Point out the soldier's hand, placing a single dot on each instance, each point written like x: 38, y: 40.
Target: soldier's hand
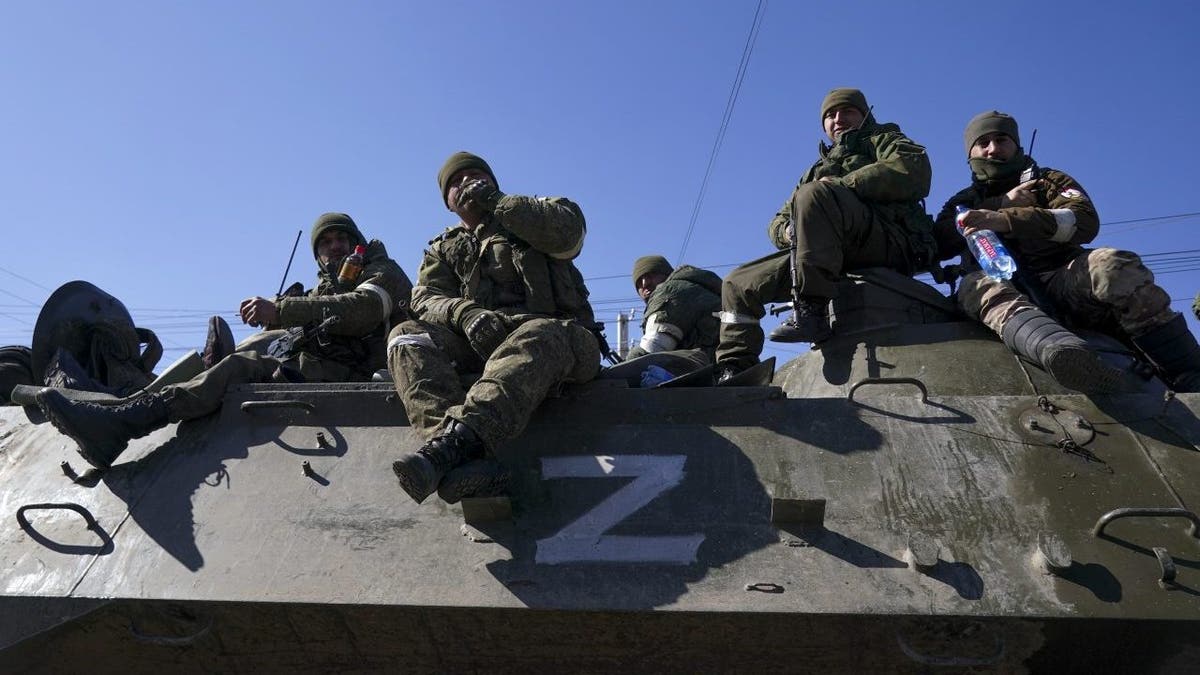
x: 485, y: 331
x: 789, y: 233
x: 982, y: 219
x: 258, y: 311
x: 478, y: 196
x: 1022, y: 195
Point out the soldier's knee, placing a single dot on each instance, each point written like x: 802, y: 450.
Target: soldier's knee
x: 1117, y: 275
x: 410, y: 334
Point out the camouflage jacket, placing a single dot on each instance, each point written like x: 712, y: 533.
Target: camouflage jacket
x: 1038, y: 241
x: 886, y: 170
x: 517, y: 263
x: 684, y: 305
x: 365, y: 309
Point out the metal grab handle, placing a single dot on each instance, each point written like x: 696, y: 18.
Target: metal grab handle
x: 23, y: 521
x: 889, y: 380
x: 251, y: 406
x: 1115, y: 514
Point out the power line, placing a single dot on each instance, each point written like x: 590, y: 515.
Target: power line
x: 734, y: 90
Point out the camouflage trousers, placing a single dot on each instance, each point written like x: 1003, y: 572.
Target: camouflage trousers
x: 425, y: 361
x: 203, y: 394
x: 835, y: 231
x: 1103, y: 289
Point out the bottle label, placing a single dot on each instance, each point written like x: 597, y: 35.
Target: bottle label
x: 985, y: 246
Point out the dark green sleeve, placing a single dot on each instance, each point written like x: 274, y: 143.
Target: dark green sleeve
x: 552, y: 225
x: 437, y: 297
x: 777, y: 228
x: 900, y: 172
x: 382, y: 289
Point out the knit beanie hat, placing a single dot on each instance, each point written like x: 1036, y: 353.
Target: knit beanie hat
x: 335, y: 221
x: 650, y: 263
x: 457, y: 162
x: 844, y: 96
x: 990, y: 122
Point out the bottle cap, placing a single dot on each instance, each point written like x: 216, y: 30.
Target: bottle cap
x: 360, y: 250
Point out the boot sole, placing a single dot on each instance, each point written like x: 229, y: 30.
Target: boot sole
x: 93, y: 452
x: 409, y: 483
x: 1084, y: 371
x: 468, y: 483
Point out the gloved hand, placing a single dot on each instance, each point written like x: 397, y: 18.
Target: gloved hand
x: 485, y: 330
x: 479, y: 196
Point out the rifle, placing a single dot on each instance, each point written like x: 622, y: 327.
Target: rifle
x: 296, y: 339
x: 606, y: 351
x: 780, y: 309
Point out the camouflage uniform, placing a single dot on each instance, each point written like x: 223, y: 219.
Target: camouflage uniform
x: 355, y: 350
x: 518, y: 265
x: 1104, y: 289
x: 869, y: 214
x: 685, y: 307
x: 364, y: 309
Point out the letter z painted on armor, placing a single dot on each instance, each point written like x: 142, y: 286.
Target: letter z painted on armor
x: 584, y: 540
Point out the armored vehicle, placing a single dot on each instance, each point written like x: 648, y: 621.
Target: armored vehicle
x: 909, y: 497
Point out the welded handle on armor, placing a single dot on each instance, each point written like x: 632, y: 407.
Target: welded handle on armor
x: 889, y: 380
x: 153, y: 351
x: 251, y: 406
x: 1115, y: 514
x: 23, y: 520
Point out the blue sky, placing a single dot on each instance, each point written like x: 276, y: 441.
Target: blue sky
x: 169, y: 151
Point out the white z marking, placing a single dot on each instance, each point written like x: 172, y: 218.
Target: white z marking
x: 584, y: 540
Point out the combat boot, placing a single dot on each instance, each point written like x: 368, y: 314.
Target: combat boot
x: 421, y: 471
x: 1040, y: 339
x: 809, y: 322
x: 103, y: 430
x: 219, y: 342
x: 1173, y: 348
x: 475, y: 478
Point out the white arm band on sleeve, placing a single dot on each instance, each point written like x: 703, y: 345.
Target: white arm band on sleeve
x: 1065, y: 219
x: 384, y: 297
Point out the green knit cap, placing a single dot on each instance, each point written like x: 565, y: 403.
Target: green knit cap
x: 650, y: 263
x: 990, y: 122
x: 457, y: 162
x: 844, y: 96
x: 335, y: 221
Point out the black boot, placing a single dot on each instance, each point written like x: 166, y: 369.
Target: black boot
x: 219, y: 343
x: 476, y: 478
x: 103, y: 430
x: 421, y: 471
x: 809, y: 322
x: 1173, y: 348
x: 1040, y: 339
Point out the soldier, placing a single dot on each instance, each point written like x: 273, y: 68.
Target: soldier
x: 357, y: 314
x: 1045, y: 221
x: 496, y: 294
x: 858, y: 206
x: 681, y: 307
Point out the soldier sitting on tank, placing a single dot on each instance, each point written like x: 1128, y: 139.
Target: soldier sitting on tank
x: 496, y: 294
x: 1044, y: 222
x: 353, y: 314
x: 858, y: 206
x: 681, y: 308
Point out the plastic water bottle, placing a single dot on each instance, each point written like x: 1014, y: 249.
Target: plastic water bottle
x: 987, y: 248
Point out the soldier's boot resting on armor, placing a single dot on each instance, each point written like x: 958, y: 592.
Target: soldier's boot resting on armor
x: 219, y: 343
x: 1173, y: 348
x: 476, y: 478
x: 1040, y: 339
x: 421, y: 471
x: 103, y: 430
x: 809, y: 322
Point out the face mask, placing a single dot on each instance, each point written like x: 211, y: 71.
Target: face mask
x: 994, y: 170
